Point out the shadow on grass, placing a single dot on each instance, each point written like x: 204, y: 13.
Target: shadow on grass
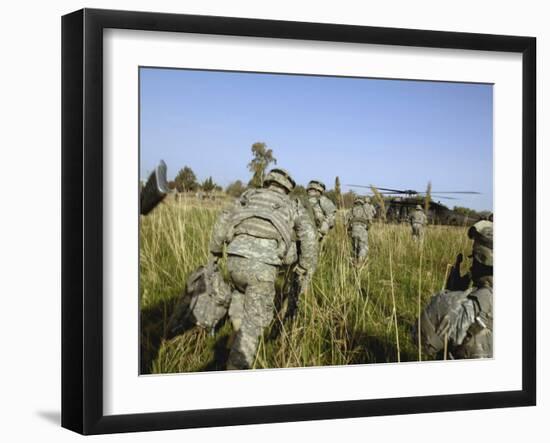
x: 154, y: 330
x: 366, y: 348
x: 153, y: 321
x: 221, y: 350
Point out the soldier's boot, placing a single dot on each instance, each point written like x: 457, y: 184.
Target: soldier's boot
x: 364, y: 250
x: 355, y: 248
x: 243, y: 350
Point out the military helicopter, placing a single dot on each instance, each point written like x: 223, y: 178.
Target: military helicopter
x: 399, y: 204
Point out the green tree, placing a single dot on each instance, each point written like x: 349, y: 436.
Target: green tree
x: 262, y: 157
x: 348, y: 198
x: 235, y: 189
x: 465, y: 211
x: 208, y: 185
x: 186, y: 180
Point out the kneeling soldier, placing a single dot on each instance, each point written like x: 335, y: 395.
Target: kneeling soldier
x: 462, y: 321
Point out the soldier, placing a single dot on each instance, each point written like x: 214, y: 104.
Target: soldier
x: 260, y: 235
x: 418, y: 220
x: 462, y: 320
x: 358, y: 223
x: 324, y: 211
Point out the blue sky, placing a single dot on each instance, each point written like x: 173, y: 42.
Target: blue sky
x: 391, y: 133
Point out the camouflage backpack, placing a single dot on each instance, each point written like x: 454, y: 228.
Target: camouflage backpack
x: 328, y: 207
x: 204, y: 302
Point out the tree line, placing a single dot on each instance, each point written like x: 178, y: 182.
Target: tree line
x: 262, y: 158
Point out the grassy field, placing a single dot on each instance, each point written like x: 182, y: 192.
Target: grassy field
x: 348, y: 315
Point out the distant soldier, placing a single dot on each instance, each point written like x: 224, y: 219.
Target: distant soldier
x: 154, y: 190
x: 324, y: 211
x: 418, y: 220
x: 260, y: 233
x: 358, y: 222
x: 462, y: 320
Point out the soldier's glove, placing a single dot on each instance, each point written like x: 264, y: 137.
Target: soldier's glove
x: 455, y: 281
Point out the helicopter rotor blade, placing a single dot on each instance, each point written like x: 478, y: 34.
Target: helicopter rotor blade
x: 446, y: 198
x: 423, y: 195
x: 396, y: 191
x: 358, y: 186
x: 456, y: 192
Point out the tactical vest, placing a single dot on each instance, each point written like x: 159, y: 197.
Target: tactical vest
x: 359, y: 214
x: 315, y: 211
x: 418, y: 217
x: 259, y: 206
x: 328, y: 207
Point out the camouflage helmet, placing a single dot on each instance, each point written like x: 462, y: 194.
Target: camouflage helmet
x: 316, y: 185
x: 358, y: 200
x: 419, y: 208
x: 281, y: 177
x: 482, y: 234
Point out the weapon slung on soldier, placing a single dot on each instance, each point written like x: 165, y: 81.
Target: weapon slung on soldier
x: 456, y: 281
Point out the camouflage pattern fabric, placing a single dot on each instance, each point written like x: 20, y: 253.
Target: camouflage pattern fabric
x: 359, y: 241
x: 482, y: 234
x: 358, y: 221
x: 203, y: 303
x: 269, y: 215
x: 262, y: 232
x: 273, y: 218
x: 251, y: 308
x: 324, y: 214
x: 418, y: 220
x: 464, y: 319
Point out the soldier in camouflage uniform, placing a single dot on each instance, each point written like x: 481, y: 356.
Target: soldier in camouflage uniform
x: 462, y: 320
x: 418, y: 220
x: 358, y: 223
x: 260, y: 234
x: 324, y: 211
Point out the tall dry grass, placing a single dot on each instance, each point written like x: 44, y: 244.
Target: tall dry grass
x: 348, y: 315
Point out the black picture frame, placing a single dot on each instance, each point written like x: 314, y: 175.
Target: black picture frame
x: 82, y: 220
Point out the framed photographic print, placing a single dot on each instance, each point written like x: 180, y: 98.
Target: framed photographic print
x: 269, y: 221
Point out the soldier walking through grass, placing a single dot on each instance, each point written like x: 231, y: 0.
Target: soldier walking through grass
x: 324, y: 210
x: 418, y: 221
x: 264, y: 231
x: 358, y: 222
x: 461, y: 321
